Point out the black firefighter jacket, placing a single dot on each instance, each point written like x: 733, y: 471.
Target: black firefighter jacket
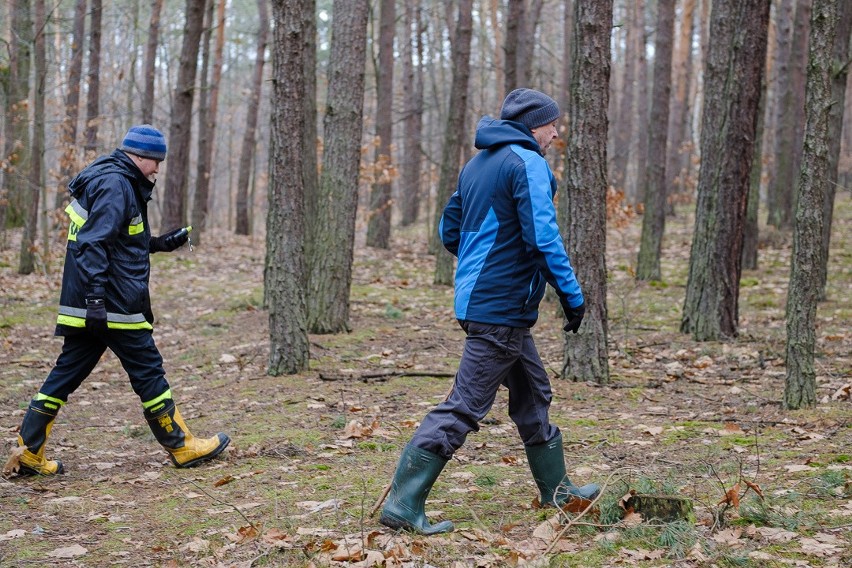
x: 108, y: 245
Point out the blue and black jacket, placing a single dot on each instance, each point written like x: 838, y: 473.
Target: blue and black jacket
x: 108, y: 245
x: 501, y: 224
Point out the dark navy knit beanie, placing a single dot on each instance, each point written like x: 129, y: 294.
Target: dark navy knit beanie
x: 529, y: 107
x: 146, y: 141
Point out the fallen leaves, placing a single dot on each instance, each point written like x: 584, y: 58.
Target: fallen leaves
x: 13, y: 464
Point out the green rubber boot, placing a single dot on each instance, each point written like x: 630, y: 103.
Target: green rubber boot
x: 405, y: 506
x: 185, y: 450
x: 547, y: 464
x: 35, y: 429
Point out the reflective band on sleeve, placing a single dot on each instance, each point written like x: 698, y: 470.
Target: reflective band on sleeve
x: 76, y: 317
x: 136, y: 225
x: 154, y: 401
x: 77, y: 213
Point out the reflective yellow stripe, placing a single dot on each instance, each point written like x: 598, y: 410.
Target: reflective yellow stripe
x: 41, y: 396
x: 136, y: 225
x: 154, y: 401
x: 72, y: 321
x: 77, y: 213
x: 139, y: 325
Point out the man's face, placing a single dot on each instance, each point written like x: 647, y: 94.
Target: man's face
x: 148, y: 166
x: 546, y: 134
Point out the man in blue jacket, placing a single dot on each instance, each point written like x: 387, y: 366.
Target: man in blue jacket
x: 105, y: 303
x: 501, y: 224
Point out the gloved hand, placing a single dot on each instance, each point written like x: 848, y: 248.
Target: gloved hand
x: 574, y: 316
x: 96, y: 314
x: 170, y: 241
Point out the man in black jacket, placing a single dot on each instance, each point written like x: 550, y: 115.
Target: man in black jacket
x: 105, y: 302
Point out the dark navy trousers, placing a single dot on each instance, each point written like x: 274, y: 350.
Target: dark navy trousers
x: 81, y: 351
x: 493, y: 355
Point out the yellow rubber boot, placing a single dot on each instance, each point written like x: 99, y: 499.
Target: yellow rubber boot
x: 35, y: 429
x: 185, y: 450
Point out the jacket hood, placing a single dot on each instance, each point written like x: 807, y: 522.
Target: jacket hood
x: 491, y: 132
x: 117, y: 163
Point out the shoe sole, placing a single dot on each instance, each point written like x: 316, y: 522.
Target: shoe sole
x: 197, y: 461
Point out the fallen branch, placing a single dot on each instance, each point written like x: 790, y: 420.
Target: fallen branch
x: 383, y: 375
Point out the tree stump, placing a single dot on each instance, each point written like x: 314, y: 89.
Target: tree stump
x: 666, y: 508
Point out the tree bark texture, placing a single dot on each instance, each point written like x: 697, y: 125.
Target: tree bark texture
x: 411, y: 185
x: 789, y: 122
x: 680, y: 107
x: 330, y: 256
x: 309, y: 136
x: 732, y: 78
x: 68, y: 134
x: 284, y: 272
x: 654, y: 217
x: 515, y: 15
x: 803, y: 292
x: 584, y: 191
x: 247, y: 151
x: 567, y: 30
x: 17, y: 147
x: 841, y: 57
x: 454, y: 133
x: 150, y: 70
x: 751, y: 230
x: 90, y: 135
x: 180, y: 131
x: 26, y: 263
x: 379, y: 224
x: 626, y: 117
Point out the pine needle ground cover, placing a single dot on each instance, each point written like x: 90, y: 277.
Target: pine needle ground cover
x: 312, y: 454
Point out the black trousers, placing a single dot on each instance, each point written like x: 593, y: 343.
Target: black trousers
x: 81, y: 352
x: 493, y: 355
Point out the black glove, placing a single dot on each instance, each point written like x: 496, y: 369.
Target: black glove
x: 96, y: 314
x: 573, y: 315
x: 170, y: 241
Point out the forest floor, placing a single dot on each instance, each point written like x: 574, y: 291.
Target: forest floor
x: 311, y: 454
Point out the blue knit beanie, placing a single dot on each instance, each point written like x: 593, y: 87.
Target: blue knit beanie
x: 146, y: 141
x: 529, y: 107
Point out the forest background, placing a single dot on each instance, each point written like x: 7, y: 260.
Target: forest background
x: 76, y: 75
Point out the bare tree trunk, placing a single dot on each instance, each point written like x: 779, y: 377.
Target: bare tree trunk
x: 17, y: 149
x: 411, y: 182
x: 90, y: 136
x: 241, y: 201
x: 180, y: 130
x: 207, y: 124
x: 680, y: 104
x: 841, y: 57
x: 732, y: 79
x: 379, y: 225
x: 583, y: 201
x: 654, y: 218
x: 526, y: 46
x: 454, y: 133
x: 330, y: 253
x: 638, y: 155
x: 150, y: 62
x: 627, y: 117
x: 499, y: 48
x: 515, y: 16
x: 284, y: 273
x: 803, y: 292
x: 28, y: 240
x: 309, y: 136
x: 788, y: 137
x: 567, y: 30
x: 750, y: 228
x: 68, y: 134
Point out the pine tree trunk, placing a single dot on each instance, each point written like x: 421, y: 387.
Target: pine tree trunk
x: 36, y: 182
x: 626, y: 116
x: 732, y: 79
x: 90, y: 135
x: 68, y: 133
x: 180, y: 131
x: 454, y: 133
x: 309, y: 136
x: 284, y: 272
x: 751, y: 231
x: 207, y: 134
x: 800, y: 383
x: 584, y: 191
x: 411, y: 181
x: 329, y: 257
x: 680, y: 103
x: 654, y: 217
x: 247, y: 151
x: 150, y: 62
x: 379, y: 225
x: 515, y: 15
x: 839, y: 76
